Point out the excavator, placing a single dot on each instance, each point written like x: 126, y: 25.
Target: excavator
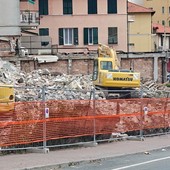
x: 109, y: 78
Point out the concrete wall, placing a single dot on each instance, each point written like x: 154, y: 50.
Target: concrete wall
x: 85, y: 66
x: 9, y: 18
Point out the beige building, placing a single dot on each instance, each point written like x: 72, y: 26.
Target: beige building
x: 78, y: 24
x: 140, y: 28
x: 162, y: 10
x: 161, y: 17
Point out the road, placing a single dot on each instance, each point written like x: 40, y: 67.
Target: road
x: 125, y: 154
x: 155, y: 160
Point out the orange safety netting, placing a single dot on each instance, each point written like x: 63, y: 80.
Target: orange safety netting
x: 73, y: 118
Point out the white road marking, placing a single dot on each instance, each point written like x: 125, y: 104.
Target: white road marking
x: 142, y: 163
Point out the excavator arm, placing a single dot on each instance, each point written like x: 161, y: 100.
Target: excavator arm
x: 105, y: 51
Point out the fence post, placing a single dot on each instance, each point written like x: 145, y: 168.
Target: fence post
x: 141, y: 130
x: 165, y: 111
x: 44, y: 122
x: 94, y: 120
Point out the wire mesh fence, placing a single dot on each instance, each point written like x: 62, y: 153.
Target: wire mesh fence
x: 50, y: 117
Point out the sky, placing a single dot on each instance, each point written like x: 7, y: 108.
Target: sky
x: 136, y: 1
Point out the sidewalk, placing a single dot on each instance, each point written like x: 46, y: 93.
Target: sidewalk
x: 65, y: 157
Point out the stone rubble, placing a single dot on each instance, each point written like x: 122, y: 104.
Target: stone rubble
x: 28, y: 86
x: 152, y: 89
x: 64, y: 87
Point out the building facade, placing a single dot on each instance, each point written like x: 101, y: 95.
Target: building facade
x: 77, y: 24
x: 140, y: 28
x: 161, y: 17
x: 162, y: 11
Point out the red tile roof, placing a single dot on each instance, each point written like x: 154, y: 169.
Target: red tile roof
x: 134, y: 8
x: 160, y: 28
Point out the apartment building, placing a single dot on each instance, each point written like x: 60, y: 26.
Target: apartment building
x: 161, y: 17
x: 140, y: 28
x: 77, y: 24
x: 162, y: 8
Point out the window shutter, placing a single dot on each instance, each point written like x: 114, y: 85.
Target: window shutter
x: 76, y: 36
x: 112, y: 6
x: 70, y: 10
x: 89, y: 7
x: 95, y: 35
x: 67, y: 6
x: 43, y: 7
x: 40, y: 7
x: 43, y: 31
x: 85, y: 36
x: 115, y: 7
x: 61, y: 42
x: 110, y: 35
x: 92, y: 6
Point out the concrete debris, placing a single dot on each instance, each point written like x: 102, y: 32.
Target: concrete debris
x: 152, y: 89
x: 57, y: 86
x: 29, y: 85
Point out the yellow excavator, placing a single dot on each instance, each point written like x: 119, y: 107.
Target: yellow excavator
x: 6, y: 98
x: 109, y: 78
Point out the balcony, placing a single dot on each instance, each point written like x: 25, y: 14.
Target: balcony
x: 29, y: 19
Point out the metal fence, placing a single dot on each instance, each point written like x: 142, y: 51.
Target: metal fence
x: 60, y: 117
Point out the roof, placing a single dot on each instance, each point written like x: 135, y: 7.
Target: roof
x: 134, y: 8
x: 160, y: 28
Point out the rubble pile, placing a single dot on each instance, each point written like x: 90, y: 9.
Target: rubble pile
x: 28, y: 86
x: 65, y: 87
x: 152, y: 89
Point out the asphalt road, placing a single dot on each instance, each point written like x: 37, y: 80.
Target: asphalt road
x: 154, y: 160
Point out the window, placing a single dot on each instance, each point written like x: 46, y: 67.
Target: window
x: 112, y: 35
x: 44, y: 32
x: 112, y: 6
x: 92, y: 6
x: 162, y: 39
x: 43, y: 7
x: 163, y: 22
x: 68, y: 36
x: 106, y: 65
x: 90, y: 36
x: 163, y: 10
x: 67, y: 6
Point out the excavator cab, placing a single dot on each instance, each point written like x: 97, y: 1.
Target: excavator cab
x: 106, y: 65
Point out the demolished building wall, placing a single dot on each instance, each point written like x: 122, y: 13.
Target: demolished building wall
x: 84, y: 65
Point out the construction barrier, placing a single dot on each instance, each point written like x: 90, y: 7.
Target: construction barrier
x: 32, y: 122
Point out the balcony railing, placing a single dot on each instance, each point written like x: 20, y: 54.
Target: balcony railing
x: 29, y: 18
